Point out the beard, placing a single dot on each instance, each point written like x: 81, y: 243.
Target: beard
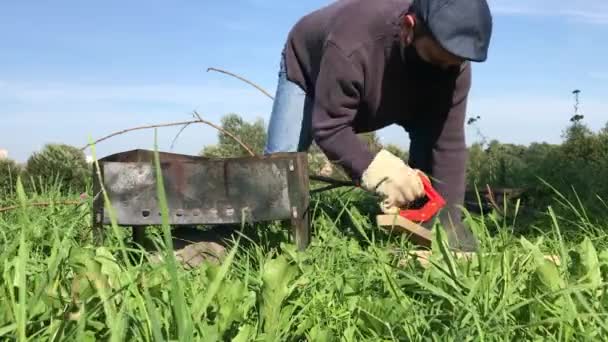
x: 418, y: 66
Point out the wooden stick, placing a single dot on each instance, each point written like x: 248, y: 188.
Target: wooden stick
x: 492, y: 200
x: 196, y: 116
x: 183, y: 123
x: 423, y: 237
x: 242, y: 79
x: 177, y: 135
x: 417, y: 233
x: 199, y: 121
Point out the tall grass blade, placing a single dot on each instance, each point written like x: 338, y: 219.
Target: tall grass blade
x: 200, y: 305
x: 154, y: 319
x: 22, y: 264
x: 109, y: 207
x: 184, y: 320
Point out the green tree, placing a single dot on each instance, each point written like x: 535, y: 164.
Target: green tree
x: 9, y: 171
x: 475, y: 166
x: 498, y: 165
x: 253, y: 135
x: 372, y: 141
x: 396, y: 150
x: 582, y: 162
x: 581, y: 143
x: 58, y: 165
x: 579, y: 163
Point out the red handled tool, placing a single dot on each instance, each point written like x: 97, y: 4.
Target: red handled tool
x: 433, y: 204
x: 408, y: 220
x: 430, y: 208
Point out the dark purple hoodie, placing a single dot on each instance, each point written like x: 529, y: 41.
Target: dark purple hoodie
x: 349, y: 58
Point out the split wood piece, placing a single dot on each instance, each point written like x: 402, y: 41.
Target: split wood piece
x: 423, y: 237
x: 424, y: 257
x: 400, y: 224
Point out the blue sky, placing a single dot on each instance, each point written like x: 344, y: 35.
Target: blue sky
x: 74, y: 70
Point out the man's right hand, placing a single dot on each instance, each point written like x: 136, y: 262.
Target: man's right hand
x: 392, y: 179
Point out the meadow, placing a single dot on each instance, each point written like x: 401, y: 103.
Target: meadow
x: 356, y: 282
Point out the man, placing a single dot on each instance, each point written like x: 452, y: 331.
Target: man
x: 357, y: 66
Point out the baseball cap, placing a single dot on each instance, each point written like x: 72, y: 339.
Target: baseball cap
x: 463, y: 27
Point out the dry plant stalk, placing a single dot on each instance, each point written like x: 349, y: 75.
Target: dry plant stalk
x: 183, y: 123
x: 196, y: 116
x: 242, y: 79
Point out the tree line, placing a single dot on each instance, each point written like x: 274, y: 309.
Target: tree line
x: 576, y: 168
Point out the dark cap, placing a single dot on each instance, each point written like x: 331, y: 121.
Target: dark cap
x: 463, y: 27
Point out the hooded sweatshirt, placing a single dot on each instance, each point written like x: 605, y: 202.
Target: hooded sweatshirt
x: 348, y: 57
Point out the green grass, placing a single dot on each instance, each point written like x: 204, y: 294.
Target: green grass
x: 350, y: 285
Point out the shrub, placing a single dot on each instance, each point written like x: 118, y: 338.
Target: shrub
x: 9, y: 171
x: 58, y: 165
x: 253, y: 135
x: 396, y: 150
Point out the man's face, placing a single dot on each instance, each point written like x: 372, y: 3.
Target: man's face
x: 431, y: 52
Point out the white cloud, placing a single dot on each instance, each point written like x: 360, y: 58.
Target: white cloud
x: 587, y: 11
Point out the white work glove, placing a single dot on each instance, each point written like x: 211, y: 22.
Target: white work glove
x: 392, y: 179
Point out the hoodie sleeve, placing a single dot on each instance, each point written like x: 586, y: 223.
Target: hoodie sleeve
x: 338, y: 92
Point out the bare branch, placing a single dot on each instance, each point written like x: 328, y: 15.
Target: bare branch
x: 170, y: 125
x: 244, y: 80
x: 178, y: 134
x: 194, y: 115
x: 492, y: 200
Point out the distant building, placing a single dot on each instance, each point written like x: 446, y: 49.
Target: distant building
x: 3, y: 154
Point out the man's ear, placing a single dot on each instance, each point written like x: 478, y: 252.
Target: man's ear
x: 409, y: 23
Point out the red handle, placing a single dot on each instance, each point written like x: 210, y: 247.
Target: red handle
x: 431, y: 207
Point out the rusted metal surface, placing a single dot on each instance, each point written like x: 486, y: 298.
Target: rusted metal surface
x: 206, y: 191
x: 300, y: 206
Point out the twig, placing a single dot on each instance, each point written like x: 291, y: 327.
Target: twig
x: 41, y: 204
x: 196, y: 116
x: 170, y: 125
x: 242, y: 79
x: 177, y: 135
x: 491, y: 198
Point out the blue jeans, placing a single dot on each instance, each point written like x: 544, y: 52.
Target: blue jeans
x: 290, y: 127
